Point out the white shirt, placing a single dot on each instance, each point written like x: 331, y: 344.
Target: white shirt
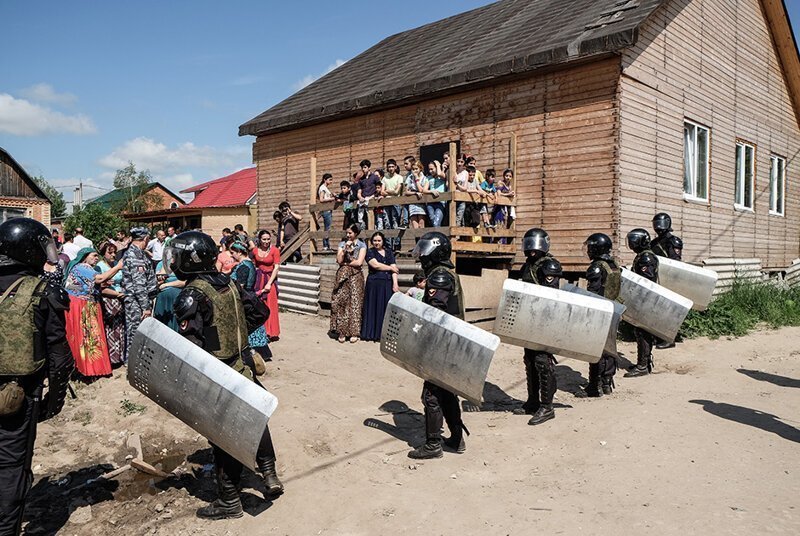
x: 82, y: 242
x: 71, y: 249
x: 156, y: 247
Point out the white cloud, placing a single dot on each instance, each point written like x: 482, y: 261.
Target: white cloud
x: 159, y: 159
x: 246, y: 80
x: 45, y: 93
x: 20, y: 117
x: 306, y: 80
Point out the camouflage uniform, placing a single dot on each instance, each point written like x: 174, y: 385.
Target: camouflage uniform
x: 139, y: 286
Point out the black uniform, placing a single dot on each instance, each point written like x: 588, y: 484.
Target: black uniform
x: 18, y: 431
x: 195, y: 312
x: 667, y: 245
x: 540, y: 370
x: 597, y: 277
x: 646, y: 265
x: 443, y: 291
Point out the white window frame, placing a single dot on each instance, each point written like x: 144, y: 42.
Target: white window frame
x: 773, y: 208
x: 739, y: 201
x: 691, y: 164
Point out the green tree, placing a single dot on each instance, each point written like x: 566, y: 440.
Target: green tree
x: 98, y: 223
x: 134, y: 185
x: 58, y: 207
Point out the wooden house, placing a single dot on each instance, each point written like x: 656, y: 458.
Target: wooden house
x: 19, y: 195
x: 609, y: 111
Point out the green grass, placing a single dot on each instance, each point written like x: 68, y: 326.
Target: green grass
x: 129, y: 408
x: 744, y: 307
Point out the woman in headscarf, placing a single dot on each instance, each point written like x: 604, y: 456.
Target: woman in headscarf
x: 85, y: 328
x: 113, y: 309
x: 245, y: 273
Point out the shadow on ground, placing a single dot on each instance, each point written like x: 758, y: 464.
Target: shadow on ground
x: 781, y: 381
x: 751, y: 417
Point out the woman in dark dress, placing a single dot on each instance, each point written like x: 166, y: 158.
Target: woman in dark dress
x: 381, y: 284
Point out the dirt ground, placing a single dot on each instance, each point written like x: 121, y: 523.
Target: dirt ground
x: 710, y: 444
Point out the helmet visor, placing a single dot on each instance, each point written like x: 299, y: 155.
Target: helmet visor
x: 536, y: 243
x: 425, y: 247
x: 50, y: 249
x: 661, y: 225
x: 167, y: 259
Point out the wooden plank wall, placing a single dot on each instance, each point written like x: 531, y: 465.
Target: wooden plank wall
x: 11, y: 182
x: 566, y: 128
x: 713, y: 62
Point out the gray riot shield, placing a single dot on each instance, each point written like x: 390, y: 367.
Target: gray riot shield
x: 619, y: 309
x: 650, y: 306
x: 689, y: 281
x: 554, y: 321
x: 196, y: 387
x: 437, y: 347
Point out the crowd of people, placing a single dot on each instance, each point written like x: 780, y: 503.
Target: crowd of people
x: 414, y: 181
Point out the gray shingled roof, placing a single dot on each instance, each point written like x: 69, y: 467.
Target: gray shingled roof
x: 502, y: 39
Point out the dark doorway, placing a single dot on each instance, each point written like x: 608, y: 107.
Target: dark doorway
x: 429, y: 153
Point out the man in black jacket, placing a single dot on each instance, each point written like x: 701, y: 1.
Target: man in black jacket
x: 33, y: 347
x: 665, y: 244
x: 645, y: 264
x: 603, y: 278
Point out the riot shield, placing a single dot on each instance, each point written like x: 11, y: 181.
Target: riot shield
x: 554, y: 321
x: 619, y: 309
x: 437, y: 347
x: 689, y: 281
x: 196, y: 387
x: 650, y: 306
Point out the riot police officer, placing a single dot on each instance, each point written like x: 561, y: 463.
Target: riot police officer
x: 216, y: 314
x: 603, y: 277
x: 645, y: 264
x: 541, y: 268
x: 443, y: 291
x: 665, y: 244
x: 33, y: 347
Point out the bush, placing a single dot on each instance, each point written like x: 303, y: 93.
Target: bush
x: 97, y: 222
x: 742, y: 308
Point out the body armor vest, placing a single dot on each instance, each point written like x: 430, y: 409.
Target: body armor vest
x: 229, y: 322
x: 455, y: 304
x: 531, y: 269
x: 612, y: 280
x: 17, y: 327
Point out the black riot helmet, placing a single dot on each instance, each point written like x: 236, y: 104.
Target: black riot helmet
x: 662, y: 223
x: 535, y: 240
x: 638, y: 239
x: 27, y: 242
x: 549, y: 269
x: 192, y: 253
x: 432, y: 249
x: 598, y: 245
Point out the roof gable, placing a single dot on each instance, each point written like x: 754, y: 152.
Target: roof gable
x: 786, y: 45
x: 117, y: 197
x: 27, y: 182
x: 505, y: 38
x: 234, y: 190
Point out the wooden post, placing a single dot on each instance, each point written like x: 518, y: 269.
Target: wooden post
x: 312, y: 200
x: 512, y: 164
x: 451, y: 185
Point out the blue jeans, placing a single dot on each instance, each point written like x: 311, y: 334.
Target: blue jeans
x: 327, y: 220
x: 435, y: 213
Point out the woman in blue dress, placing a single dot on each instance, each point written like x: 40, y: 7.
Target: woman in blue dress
x: 381, y: 284
x: 244, y: 272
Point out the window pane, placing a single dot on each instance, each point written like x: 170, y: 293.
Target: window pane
x: 748, y: 176
x: 688, y: 158
x: 702, y: 163
x: 773, y: 182
x: 781, y: 185
x: 737, y: 183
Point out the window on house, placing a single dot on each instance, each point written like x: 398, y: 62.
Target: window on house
x: 777, y: 184
x: 695, y: 161
x: 745, y: 173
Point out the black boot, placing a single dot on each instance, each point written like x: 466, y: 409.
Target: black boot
x: 271, y: 480
x: 644, y: 355
x: 546, y: 373
x: 593, y: 388
x: 664, y: 345
x: 228, y: 505
x: 543, y: 414
x: 608, y: 384
x: 530, y: 406
x: 431, y: 449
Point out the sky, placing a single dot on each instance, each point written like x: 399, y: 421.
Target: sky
x: 88, y: 86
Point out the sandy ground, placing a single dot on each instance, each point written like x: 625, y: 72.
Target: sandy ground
x: 708, y: 445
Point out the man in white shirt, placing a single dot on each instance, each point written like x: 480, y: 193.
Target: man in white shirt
x: 80, y: 240
x: 155, y: 248
x: 70, y: 248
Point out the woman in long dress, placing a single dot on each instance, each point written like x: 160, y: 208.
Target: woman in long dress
x: 113, y: 308
x: 245, y: 273
x: 347, y: 298
x: 267, y: 259
x: 85, y: 328
x: 381, y: 284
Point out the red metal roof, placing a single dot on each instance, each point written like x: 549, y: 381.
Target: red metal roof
x: 231, y: 191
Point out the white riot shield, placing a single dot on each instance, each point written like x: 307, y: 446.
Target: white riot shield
x: 619, y: 309
x: 689, y: 281
x: 650, y: 306
x: 437, y: 347
x: 196, y: 387
x: 554, y: 321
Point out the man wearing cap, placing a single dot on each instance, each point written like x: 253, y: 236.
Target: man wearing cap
x: 138, y: 284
